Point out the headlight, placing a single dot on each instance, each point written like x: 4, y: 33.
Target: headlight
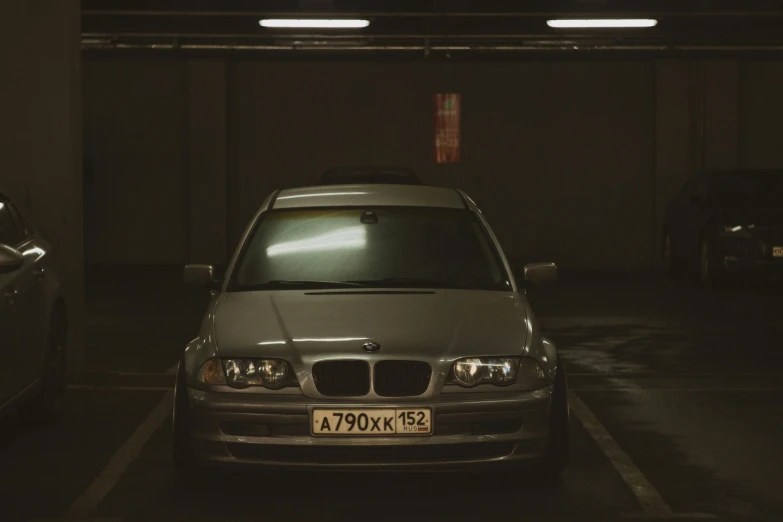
x: 498, y: 371
x: 269, y: 373
x: 737, y: 230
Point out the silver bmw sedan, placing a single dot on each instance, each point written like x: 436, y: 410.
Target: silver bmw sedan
x: 370, y: 327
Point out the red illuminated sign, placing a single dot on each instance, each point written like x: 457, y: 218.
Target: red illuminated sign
x: 447, y: 128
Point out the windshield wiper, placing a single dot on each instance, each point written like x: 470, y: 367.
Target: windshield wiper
x: 413, y: 282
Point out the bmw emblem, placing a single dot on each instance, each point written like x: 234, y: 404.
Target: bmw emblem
x: 372, y: 347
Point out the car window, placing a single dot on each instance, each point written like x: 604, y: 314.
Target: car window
x: 9, y: 234
x: 379, y: 247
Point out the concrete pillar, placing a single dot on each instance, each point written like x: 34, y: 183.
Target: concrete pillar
x: 207, y: 160
x: 697, y: 122
x: 721, y: 117
x: 674, y: 138
x: 40, y: 136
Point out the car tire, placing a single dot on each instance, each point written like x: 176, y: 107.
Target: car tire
x: 47, y: 405
x: 709, y: 269
x: 672, y: 265
x: 558, y: 446
x: 184, y: 458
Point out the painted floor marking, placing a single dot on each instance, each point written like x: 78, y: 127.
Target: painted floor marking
x: 88, y: 502
x: 717, y: 389
x: 653, y: 504
x: 91, y: 387
x: 656, y: 375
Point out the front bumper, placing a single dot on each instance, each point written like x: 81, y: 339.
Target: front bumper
x: 749, y: 265
x: 471, y: 430
x: 749, y: 255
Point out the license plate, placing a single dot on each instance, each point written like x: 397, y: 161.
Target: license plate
x: 372, y: 422
x: 777, y: 251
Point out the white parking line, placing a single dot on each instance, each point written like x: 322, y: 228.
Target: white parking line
x: 716, y: 389
x: 63, y: 519
x: 653, y: 505
x: 169, y: 371
x: 91, y: 387
x: 88, y: 502
x: 655, y: 375
x: 670, y: 516
x: 125, y: 374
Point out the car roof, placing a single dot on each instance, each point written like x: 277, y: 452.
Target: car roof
x: 369, y: 195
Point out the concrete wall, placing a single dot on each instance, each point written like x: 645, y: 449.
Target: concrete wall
x: 206, y: 233
x: 572, y: 161
x: 135, y: 134
x: 558, y: 154
x: 697, y: 125
x: 40, y: 135
x: 761, y: 103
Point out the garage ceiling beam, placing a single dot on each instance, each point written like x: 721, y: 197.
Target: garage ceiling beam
x: 438, y: 48
x: 321, y: 36
x: 519, y: 14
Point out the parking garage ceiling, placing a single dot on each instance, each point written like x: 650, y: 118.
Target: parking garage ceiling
x: 433, y: 26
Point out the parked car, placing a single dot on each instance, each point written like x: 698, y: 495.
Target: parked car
x: 376, y: 327
x: 726, y: 222
x: 32, y: 318
x: 386, y: 175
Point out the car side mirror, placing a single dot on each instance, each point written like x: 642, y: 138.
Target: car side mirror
x: 201, y: 275
x: 11, y: 259
x: 540, y: 274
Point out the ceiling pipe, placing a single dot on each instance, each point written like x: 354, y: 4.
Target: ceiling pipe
x: 517, y: 14
x: 346, y: 36
x: 436, y: 48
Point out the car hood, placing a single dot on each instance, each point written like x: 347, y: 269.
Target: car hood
x: 306, y: 326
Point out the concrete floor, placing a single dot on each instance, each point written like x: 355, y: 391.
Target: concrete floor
x: 677, y: 394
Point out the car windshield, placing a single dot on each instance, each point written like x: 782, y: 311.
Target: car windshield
x: 760, y: 188
x: 383, y: 247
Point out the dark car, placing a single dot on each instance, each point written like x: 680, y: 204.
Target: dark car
x: 726, y: 222
x: 362, y: 175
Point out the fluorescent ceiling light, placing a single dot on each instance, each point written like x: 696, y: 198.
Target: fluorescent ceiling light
x: 316, y: 23
x: 596, y: 23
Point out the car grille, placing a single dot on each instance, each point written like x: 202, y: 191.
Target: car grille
x: 342, y: 378
x: 372, y: 454
x: 401, y: 378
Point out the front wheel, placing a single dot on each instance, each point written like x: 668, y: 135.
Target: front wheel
x: 53, y: 380
x: 671, y: 264
x: 709, y: 269
x: 183, y: 456
x: 558, y: 446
